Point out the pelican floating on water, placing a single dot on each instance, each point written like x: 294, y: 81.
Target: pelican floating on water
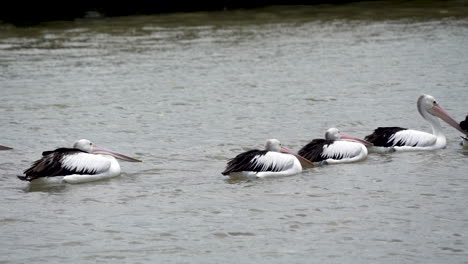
x: 84, y: 162
x: 335, y: 148
x: 4, y: 148
x: 403, y: 139
x: 264, y: 163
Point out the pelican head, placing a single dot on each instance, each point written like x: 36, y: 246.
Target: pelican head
x: 335, y: 134
x: 89, y: 147
x: 276, y: 146
x: 428, y: 107
x: 273, y: 145
x: 84, y: 145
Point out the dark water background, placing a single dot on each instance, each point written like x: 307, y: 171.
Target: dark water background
x: 187, y: 91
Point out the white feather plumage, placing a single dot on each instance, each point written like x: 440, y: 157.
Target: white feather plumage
x: 285, y: 164
x: 411, y: 137
x: 278, y: 161
x: 102, y: 167
x: 87, y: 162
x: 344, y: 152
x: 342, y: 149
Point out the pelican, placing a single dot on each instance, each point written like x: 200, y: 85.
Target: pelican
x: 335, y: 148
x: 264, y: 163
x: 464, y: 127
x: 403, y: 139
x: 84, y: 162
x: 4, y: 148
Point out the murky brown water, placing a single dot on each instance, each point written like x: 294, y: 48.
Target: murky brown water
x: 186, y: 92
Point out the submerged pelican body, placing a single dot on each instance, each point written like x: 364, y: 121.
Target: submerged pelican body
x: 335, y: 148
x: 264, y: 163
x: 84, y: 162
x: 403, y: 139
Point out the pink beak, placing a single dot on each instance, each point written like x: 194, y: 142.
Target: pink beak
x: 351, y: 138
x: 305, y: 163
x: 444, y: 115
x: 99, y: 150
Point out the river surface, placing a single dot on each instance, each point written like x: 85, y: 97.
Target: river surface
x: 186, y: 92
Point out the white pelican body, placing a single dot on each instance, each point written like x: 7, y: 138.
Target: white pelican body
x: 402, y: 139
x: 335, y: 148
x: 264, y: 163
x: 104, y: 167
x: 85, y: 162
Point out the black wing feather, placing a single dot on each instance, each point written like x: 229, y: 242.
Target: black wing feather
x: 381, y: 136
x: 51, y: 165
x: 314, y: 149
x: 464, y: 124
x: 245, y: 162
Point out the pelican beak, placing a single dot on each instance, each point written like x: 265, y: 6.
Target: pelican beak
x: 305, y: 163
x: 444, y: 115
x: 351, y: 138
x: 99, y: 150
x: 4, y: 148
